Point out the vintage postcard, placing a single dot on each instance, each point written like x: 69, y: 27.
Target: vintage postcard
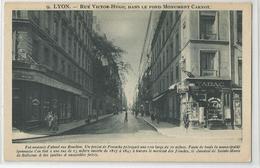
x: 127, y: 82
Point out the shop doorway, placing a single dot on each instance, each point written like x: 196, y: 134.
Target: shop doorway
x: 214, y: 113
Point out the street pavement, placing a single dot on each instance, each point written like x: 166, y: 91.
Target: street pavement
x: 111, y: 129
x: 136, y: 130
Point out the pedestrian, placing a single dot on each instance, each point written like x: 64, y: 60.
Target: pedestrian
x: 55, y: 123
x: 152, y: 117
x: 186, y: 121
x: 126, y: 119
x: 157, y: 116
x: 136, y: 114
x: 49, y: 120
x: 142, y: 110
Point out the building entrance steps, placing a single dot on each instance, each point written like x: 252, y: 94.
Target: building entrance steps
x: 171, y: 130
x: 44, y: 132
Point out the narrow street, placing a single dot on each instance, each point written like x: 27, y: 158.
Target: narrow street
x: 115, y: 124
x: 136, y: 130
x: 111, y: 129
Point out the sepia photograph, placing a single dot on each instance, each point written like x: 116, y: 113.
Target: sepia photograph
x: 128, y: 82
x: 89, y: 76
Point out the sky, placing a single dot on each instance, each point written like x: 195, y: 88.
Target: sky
x: 126, y: 29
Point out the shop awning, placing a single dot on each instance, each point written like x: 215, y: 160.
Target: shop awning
x: 174, y: 86
x: 158, y: 97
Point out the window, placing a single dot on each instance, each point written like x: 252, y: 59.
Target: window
x: 49, y: 21
x: 161, y: 85
x: 171, y: 17
x: 160, y: 66
x: 20, y: 14
x: 64, y: 40
x: 35, y: 50
x: 86, y: 64
x: 79, y: 54
x: 75, y: 20
x: 171, y: 76
x: 177, y: 72
x: 14, y: 46
x: 163, y: 36
x: 55, y: 62
x: 46, y: 21
x: 83, y: 59
x: 79, y: 77
x: 167, y: 55
x: 177, y: 47
x: 69, y: 43
x: 55, y: 29
x: 240, y: 72
x: 164, y: 61
x: 75, y: 49
x: 46, y: 56
x: 176, y: 15
x: 79, y: 27
x: 167, y: 80
x: 82, y: 31
x: 164, y: 83
x: 239, y: 27
x: 74, y: 75
x: 208, y: 25
x: 63, y: 66
x: 172, y: 49
x: 36, y: 17
x: 69, y: 71
x: 89, y: 66
x: 208, y: 63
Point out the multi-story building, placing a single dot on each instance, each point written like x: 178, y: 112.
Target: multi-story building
x: 196, y: 67
x: 52, y: 66
x: 236, y: 66
x: 165, y: 68
x: 144, y: 92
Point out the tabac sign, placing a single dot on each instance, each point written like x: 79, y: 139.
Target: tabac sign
x: 217, y: 84
x: 211, y: 83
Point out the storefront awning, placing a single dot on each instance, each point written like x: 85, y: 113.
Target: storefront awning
x: 174, y: 86
x: 158, y: 97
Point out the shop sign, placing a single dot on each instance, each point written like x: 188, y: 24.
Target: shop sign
x: 214, y: 102
x: 217, y: 84
x: 35, y: 102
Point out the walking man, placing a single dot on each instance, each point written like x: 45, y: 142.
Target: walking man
x: 186, y: 121
x: 49, y: 119
x: 126, y: 119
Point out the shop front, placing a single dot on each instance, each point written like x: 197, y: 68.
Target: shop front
x: 159, y: 106
x: 32, y: 102
x: 207, y: 103
x: 237, y: 107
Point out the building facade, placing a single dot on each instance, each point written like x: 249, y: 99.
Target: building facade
x: 197, y: 68
x: 52, y: 66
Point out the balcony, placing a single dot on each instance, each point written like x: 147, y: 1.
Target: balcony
x: 209, y: 73
x: 208, y: 36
